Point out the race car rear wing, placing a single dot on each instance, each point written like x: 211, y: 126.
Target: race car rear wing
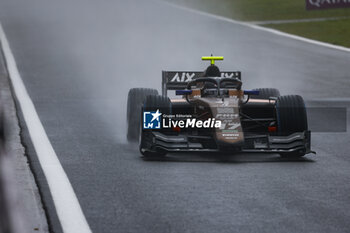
x: 178, y: 80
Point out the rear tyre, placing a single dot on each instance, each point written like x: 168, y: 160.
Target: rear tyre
x: 265, y: 93
x: 153, y: 103
x: 136, y: 97
x: 291, y: 118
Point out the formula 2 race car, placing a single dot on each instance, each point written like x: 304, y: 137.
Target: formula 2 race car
x: 215, y: 114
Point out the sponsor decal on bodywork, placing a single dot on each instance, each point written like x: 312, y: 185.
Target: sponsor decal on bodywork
x: 189, y: 76
x: 324, y: 4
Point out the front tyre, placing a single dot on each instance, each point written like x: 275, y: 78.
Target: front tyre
x: 146, y: 143
x: 291, y: 118
x: 136, y: 97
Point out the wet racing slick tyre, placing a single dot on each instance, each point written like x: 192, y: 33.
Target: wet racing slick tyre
x: 265, y: 93
x: 136, y: 97
x: 291, y: 118
x: 152, y: 104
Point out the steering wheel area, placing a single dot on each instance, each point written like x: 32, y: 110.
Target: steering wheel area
x: 216, y: 87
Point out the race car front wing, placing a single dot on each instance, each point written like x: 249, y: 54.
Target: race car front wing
x: 252, y: 143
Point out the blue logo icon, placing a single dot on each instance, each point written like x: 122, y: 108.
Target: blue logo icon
x: 151, y: 120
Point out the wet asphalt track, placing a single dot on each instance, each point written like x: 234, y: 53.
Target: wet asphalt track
x: 78, y: 61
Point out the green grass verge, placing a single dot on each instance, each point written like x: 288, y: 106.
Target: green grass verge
x: 335, y: 32
x: 261, y: 10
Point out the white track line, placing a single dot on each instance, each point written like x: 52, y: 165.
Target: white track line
x: 257, y: 27
x: 67, y: 205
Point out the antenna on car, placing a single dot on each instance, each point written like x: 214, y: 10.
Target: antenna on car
x: 212, y: 59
